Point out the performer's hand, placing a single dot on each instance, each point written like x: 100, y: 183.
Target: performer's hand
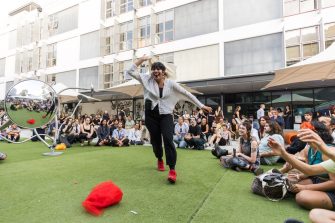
x: 311, y: 137
x: 207, y: 108
x: 277, y: 149
x: 140, y: 60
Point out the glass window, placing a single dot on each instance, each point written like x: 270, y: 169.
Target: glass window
x: 292, y: 37
x: 293, y: 53
x: 144, y: 32
x: 110, y: 8
x: 243, y: 98
x: 145, y: 2
x: 108, y: 41
x: 301, y: 44
x: 310, y: 34
x: 293, y: 7
x: 310, y: 49
x: 307, y: 5
x: 302, y: 101
x: 262, y: 97
x: 126, y: 36
x: 213, y: 101
x: 126, y: 6
x: 329, y: 33
x: 108, y: 75
x: 165, y: 26
x: 52, y: 55
x: 324, y: 100
x: 279, y: 100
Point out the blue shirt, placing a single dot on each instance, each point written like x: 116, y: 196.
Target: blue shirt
x: 119, y: 134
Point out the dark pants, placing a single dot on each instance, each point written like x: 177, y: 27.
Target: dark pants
x: 197, y: 143
x: 114, y: 142
x: 158, y: 126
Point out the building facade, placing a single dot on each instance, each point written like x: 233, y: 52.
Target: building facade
x: 226, y: 49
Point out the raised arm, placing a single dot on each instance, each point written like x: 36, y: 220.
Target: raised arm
x: 311, y: 137
x: 309, y: 170
x: 132, y: 71
x: 191, y: 97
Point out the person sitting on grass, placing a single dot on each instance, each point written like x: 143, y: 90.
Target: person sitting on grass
x: 221, y: 137
x: 120, y: 136
x: 13, y: 133
x: 247, y: 153
x: 86, y: 132
x: 180, y: 130
x: 310, y: 195
x: 194, y: 137
x: 103, y: 133
x: 320, y: 183
x: 273, y: 130
x: 135, y: 135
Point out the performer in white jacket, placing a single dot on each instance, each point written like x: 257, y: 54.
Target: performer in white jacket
x: 161, y: 95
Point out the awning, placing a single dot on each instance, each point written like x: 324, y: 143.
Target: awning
x: 317, y: 71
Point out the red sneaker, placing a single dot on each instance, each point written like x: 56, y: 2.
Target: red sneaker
x: 172, y: 176
x: 160, y: 165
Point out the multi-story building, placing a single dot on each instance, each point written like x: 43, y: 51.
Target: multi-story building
x: 226, y: 49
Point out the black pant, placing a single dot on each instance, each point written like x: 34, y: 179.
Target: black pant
x: 158, y: 126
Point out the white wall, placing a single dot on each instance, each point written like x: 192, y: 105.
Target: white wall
x: 199, y: 63
x: 3, y: 45
x: 89, y: 16
x: 2, y: 91
x: 10, y: 66
x: 68, y: 54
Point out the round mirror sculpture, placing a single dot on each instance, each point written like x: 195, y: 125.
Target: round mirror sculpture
x: 31, y: 104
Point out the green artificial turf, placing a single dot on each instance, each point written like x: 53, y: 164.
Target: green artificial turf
x: 35, y: 188
x: 21, y: 116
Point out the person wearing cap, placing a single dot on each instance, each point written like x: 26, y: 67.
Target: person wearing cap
x: 161, y: 95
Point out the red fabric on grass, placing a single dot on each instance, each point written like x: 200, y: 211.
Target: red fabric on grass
x: 103, y: 195
x: 31, y: 121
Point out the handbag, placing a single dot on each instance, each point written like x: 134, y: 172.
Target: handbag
x: 274, y: 186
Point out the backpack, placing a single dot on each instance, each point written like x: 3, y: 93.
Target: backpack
x: 274, y: 186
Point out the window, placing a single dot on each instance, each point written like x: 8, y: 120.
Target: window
x: 293, y: 7
x: 2, y: 67
x: 30, y: 60
x: 108, y: 75
x: 53, y: 24
x: 126, y: 6
x: 110, y: 8
x: 327, y: 3
x: 114, y: 73
x: 165, y: 26
x: 109, y: 41
x: 126, y: 36
x: 329, y: 34
x: 52, y: 55
x: 301, y: 44
x: 145, y: 2
x: 324, y: 99
x: 51, y: 79
x: 144, y: 32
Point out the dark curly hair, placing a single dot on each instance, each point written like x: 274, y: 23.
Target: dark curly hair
x: 322, y: 131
